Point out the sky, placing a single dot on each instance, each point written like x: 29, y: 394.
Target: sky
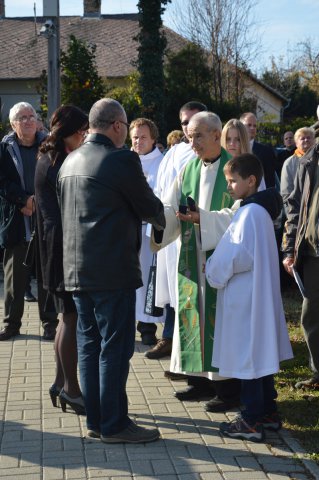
x: 281, y: 23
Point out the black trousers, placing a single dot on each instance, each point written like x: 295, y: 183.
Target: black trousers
x: 227, y: 390
x: 15, y: 280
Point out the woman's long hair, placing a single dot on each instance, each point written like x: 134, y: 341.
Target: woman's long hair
x: 65, y: 121
x: 242, y: 134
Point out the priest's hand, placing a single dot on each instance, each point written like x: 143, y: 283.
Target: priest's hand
x: 288, y: 263
x: 190, y: 217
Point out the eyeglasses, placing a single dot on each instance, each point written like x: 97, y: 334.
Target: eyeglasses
x: 185, y: 123
x: 124, y: 123
x: 26, y: 118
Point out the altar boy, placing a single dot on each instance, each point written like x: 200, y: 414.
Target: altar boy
x: 251, y: 336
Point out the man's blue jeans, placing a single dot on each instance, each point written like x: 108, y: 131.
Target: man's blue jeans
x: 105, y: 336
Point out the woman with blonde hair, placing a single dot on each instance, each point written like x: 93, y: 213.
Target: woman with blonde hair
x: 235, y: 138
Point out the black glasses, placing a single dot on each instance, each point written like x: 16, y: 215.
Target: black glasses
x: 121, y: 121
x: 185, y: 123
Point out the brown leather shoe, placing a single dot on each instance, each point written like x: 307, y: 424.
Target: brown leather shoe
x: 163, y: 348
x: 8, y: 332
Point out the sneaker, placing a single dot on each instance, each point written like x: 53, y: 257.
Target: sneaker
x: 132, y: 434
x: 312, y: 382
x: 163, y: 348
x: 239, y: 428
x: 272, y: 421
x: 8, y: 332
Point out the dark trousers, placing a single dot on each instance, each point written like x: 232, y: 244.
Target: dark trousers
x: 105, y: 339
x: 227, y: 390
x: 310, y: 310
x: 150, y: 328
x: 258, y: 397
x: 16, y: 277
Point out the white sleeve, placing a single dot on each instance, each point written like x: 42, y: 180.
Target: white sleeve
x: 214, y: 224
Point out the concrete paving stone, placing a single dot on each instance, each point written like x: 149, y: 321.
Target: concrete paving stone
x: 163, y: 467
x: 283, y: 467
x: 63, y: 462
x: 7, y: 461
x: 13, y: 396
x: 227, y: 450
x: 245, y: 475
x: 50, y: 423
x: 31, y: 476
x: 53, y: 473
x: 211, y: 476
x: 18, y: 472
x: 93, y: 457
x: 258, y: 448
x: 278, y: 476
x: 12, y: 436
x: 30, y: 458
x: 74, y: 472
x: 142, y: 467
x: 14, y: 415
x: 110, y: 469
x: 31, y: 414
x: 31, y: 435
x: 195, y: 467
x: 55, y: 445
x: 248, y: 463
x: 227, y: 464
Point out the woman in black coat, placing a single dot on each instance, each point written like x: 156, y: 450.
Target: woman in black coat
x: 67, y: 129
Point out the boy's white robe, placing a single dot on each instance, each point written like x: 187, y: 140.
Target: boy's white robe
x: 150, y: 165
x: 212, y: 227
x: 251, y: 335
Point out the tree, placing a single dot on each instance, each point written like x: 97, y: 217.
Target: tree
x: 129, y: 95
x: 80, y: 83
x: 225, y: 28
x: 152, y: 44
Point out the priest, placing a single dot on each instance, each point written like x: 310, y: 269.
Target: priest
x: 198, y: 233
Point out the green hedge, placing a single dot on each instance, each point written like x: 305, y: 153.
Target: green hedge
x: 273, y: 132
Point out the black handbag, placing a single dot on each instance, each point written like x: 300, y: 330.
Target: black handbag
x: 150, y: 308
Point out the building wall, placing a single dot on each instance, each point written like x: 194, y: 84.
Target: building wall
x: 14, y: 91
x: 269, y: 107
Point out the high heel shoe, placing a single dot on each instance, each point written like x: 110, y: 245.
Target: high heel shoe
x: 77, y: 404
x: 54, y: 392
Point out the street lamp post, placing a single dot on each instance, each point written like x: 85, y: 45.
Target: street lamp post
x: 51, y: 31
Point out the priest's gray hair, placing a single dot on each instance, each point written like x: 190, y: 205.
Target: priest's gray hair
x: 16, y: 109
x: 104, y: 112
x: 212, y: 120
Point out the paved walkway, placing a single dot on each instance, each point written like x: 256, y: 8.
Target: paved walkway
x: 41, y: 442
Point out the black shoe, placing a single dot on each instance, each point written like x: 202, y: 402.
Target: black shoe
x: 149, y: 339
x: 49, y: 332
x: 54, y: 392
x: 29, y: 297
x: 175, y: 377
x: 217, y: 405
x: 193, y: 393
x: 77, y: 404
x: 8, y: 332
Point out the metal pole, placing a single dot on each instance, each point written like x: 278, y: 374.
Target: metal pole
x: 51, y: 8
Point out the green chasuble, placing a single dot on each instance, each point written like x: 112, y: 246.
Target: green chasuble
x: 196, y: 357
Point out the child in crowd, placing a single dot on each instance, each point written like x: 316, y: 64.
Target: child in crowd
x: 251, y: 336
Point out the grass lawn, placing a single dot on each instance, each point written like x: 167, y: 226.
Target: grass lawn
x: 299, y: 408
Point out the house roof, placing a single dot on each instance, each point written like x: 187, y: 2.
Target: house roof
x: 24, y: 53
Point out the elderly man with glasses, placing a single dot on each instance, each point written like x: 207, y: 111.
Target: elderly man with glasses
x: 18, y: 154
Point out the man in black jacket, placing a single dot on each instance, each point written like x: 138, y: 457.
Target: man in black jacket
x: 104, y: 197
x: 263, y: 152
x: 301, y: 250
x: 18, y: 153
